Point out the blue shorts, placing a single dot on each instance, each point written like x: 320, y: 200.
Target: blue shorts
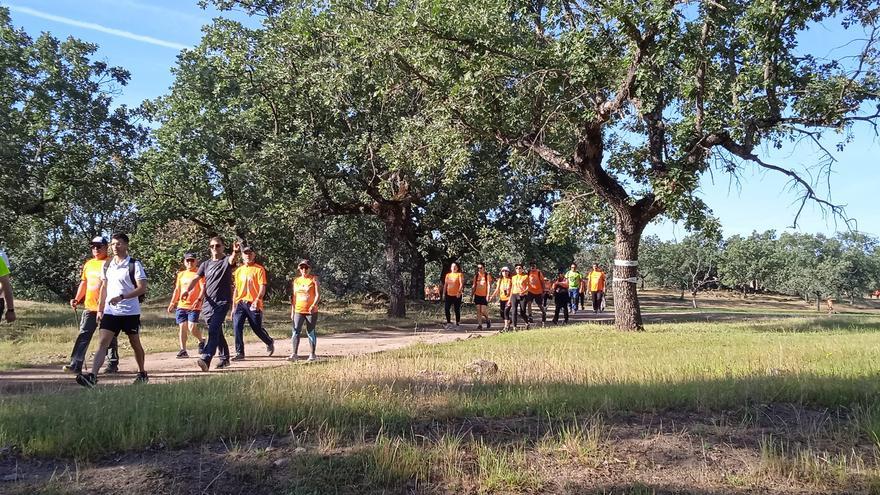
x: 184, y: 315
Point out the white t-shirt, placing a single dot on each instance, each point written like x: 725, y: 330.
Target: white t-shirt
x: 119, y: 283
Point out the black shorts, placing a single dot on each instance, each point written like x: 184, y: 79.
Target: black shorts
x: 130, y: 325
x: 481, y: 300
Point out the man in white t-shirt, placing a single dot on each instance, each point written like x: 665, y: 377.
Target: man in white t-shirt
x: 119, y: 309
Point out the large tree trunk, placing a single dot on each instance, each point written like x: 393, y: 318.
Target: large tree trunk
x: 627, y: 235
x: 417, y: 275
x: 393, y: 216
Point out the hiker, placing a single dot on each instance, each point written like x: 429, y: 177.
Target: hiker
x: 250, y: 288
x: 119, y: 309
x: 7, y: 301
x: 453, y: 285
x: 560, y: 297
x: 517, y: 304
x: 186, y: 310
x: 88, y: 293
x: 574, y: 284
x: 304, y: 309
x: 596, y: 281
x: 480, y: 291
x: 217, y: 275
x: 536, y: 291
x: 502, y: 290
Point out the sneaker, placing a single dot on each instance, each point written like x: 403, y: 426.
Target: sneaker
x: 238, y: 357
x: 202, y: 364
x: 312, y: 358
x: 112, y: 368
x: 479, y: 327
x: 202, y: 347
x: 224, y: 363
x: 141, y: 378
x: 182, y: 354
x: 72, y: 368
x: 292, y: 357
x: 88, y: 380
x: 270, y: 348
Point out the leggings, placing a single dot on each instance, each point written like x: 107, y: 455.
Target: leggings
x: 517, y: 305
x: 310, y: 320
x: 451, y: 301
x: 505, y: 310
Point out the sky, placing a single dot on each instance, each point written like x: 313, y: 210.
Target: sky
x: 145, y: 36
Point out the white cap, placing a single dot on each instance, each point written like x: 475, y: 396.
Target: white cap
x: 505, y: 269
x: 98, y: 240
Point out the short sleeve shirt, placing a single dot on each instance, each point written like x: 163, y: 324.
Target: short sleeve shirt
x: 4, y: 264
x: 118, y: 283
x: 248, y: 280
x: 574, y: 279
x: 92, y: 275
x: 193, y: 302
x: 218, y: 282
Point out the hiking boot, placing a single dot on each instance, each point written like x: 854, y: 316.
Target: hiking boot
x: 238, y: 357
x: 202, y: 364
x: 270, y: 348
x: 141, y: 378
x: 202, y: 347
x: 182, y: 354
x: 112, y: 368
x: 224, y: 363
x: 89, y: 380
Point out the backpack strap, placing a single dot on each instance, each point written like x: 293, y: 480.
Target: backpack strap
x: 131, y: 262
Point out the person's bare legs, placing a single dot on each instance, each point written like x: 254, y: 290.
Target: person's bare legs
x: 181, y: 336
x: 135, y: 341
x: 101, y: 353
x: 194, y: 330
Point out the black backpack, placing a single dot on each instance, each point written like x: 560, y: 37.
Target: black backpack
x: 131, y: 269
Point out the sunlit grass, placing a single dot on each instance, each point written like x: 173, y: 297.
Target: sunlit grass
x: 559, y: 373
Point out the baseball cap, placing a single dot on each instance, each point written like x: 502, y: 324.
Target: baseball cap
x: 247, y: 249
x: 505, y: 269
x: 99, y: 240
x: 189, y: 256
x: 304, y: 262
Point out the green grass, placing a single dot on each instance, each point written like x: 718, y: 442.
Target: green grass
x: 559, y: 373
x: 44, y: 333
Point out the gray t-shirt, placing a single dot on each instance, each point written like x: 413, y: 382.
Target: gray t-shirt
x: 218, y: 281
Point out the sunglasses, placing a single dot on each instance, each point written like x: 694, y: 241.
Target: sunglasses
x: 217, y: 245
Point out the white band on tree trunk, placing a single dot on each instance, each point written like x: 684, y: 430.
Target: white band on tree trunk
x: 632, y: 280
x: 625, y: 263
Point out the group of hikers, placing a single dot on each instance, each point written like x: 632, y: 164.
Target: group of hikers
x: 113, y: 284
x: 520, y: 293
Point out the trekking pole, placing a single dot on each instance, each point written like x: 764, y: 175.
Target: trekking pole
x: 76, y: 317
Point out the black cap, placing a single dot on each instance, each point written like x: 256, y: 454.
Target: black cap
x: 189, y: 256
x: 99, y: 241
x: 247, y: 249
x: 304, y: 263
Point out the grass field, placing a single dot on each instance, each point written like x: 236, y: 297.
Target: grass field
x: 416, y: 417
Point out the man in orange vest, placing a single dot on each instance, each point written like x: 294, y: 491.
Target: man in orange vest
x: 596, y: 282
x: 535, y: 292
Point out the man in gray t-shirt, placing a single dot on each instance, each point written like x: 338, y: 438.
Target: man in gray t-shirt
x: 218, y: 298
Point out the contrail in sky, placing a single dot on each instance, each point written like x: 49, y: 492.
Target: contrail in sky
x: 96, y: 27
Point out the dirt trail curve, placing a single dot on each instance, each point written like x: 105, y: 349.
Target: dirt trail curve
x: 165, y: 367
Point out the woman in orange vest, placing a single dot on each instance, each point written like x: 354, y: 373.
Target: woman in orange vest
x: 480, y: 291
x: 453, y: 286
x: 503, y: 290
x: 596, y: 281
x: 519, y: 289
x: 304, y: 309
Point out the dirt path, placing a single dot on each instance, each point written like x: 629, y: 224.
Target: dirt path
x: 165, y: 367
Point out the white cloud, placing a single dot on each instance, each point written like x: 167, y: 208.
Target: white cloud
x: 96, y: 27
